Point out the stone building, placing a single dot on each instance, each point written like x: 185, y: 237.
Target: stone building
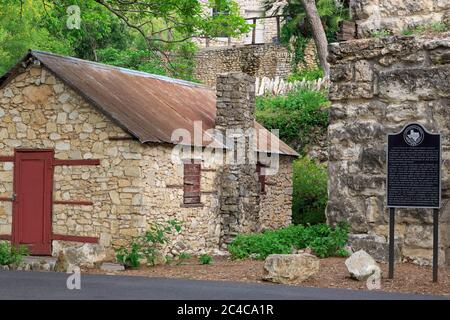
x: 87, y: 160
x: 378, y: 86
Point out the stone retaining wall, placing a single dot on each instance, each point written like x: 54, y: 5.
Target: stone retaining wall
x: 257, y: 60
x: 396, y: 15
x: 379, y: 85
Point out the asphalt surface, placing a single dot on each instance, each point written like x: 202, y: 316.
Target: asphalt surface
x: 24, y: 285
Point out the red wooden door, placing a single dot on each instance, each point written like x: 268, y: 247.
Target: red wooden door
x: 33, y: 184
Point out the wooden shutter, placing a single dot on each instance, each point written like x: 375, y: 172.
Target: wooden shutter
x: 191, y: 185
x: 261, y: 177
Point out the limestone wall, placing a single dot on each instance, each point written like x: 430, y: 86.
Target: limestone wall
x: 39, y: 111
x: 269, y: 60
x: 276, y: 202
x: 379, y: 85
x: 396, y: 15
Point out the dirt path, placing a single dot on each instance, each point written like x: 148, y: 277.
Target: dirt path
x: 333, y: 274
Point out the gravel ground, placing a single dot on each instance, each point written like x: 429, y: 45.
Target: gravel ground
x: 409, y: 278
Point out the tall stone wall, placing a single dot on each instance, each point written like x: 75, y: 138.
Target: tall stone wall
x: 396, y: 15
x: 260, y: 60
x: 378, y: 86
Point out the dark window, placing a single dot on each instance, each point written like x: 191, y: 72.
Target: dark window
x: 260, y: 169
x: 191, y: 183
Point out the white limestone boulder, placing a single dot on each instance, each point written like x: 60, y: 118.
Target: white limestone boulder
x: 361, y: 265
x: 286, y: 268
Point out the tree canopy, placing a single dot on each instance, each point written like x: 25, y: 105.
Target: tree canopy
x: 155, y: 36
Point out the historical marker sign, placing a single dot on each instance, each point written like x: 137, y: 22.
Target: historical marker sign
x: 414, y: 180
x: 414, y: 168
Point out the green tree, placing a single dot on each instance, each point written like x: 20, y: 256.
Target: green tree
x: 21, y: 29
x: 167, y: 24
x: 148, y: 35
x: 297, y: 31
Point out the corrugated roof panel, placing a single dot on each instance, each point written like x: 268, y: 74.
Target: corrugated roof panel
x: 147, y: 106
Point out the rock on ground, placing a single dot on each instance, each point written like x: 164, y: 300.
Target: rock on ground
x: 361, y: 265
x: 112, y: 267
x: 286, y: 268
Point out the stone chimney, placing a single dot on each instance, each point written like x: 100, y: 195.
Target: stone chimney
x: 238, y: 186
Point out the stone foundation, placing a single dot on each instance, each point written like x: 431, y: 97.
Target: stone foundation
x: 380, y: 85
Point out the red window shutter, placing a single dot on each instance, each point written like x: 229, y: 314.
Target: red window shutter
x: 261, y: 177
x: 191, y: 185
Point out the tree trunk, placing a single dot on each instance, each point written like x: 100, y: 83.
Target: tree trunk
x: 318, y: 32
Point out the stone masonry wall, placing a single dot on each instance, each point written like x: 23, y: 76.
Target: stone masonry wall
x: 396, y: 15
x: 239, y: 190
x: 260, y: 60
x: 276, y: 202
x: 380, y: 85
x: 130, y: 189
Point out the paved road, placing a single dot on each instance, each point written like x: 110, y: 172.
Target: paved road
x: 52, y: 285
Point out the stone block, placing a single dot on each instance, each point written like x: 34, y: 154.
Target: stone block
x: 287, y: 268
x: 376, y: 246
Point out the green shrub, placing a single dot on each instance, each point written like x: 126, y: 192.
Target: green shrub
x: 11, y: 255
x: 309, y: 192
x: 205, y: 259
x: 309, y: 75
x: 324, y: 241
x: 183, y: 256
x: 169, y: 259
x: 300, y: 115
x: 147, y: 245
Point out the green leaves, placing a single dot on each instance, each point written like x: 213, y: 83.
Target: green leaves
x: 205, y: 259
x: 153, y: 36
x: 299, y: 115
x: 310, y: 194
x: 324, y: 241
x: 147, y: 245
x: 296, y: 32
x: 11, y: 255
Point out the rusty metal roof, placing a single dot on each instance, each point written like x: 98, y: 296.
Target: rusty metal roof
x: 149, y: 107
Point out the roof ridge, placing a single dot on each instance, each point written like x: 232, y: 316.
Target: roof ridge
x: 126, y: 70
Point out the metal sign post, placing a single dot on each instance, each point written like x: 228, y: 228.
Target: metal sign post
x: 414, y: 159
x: 391, y: 242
